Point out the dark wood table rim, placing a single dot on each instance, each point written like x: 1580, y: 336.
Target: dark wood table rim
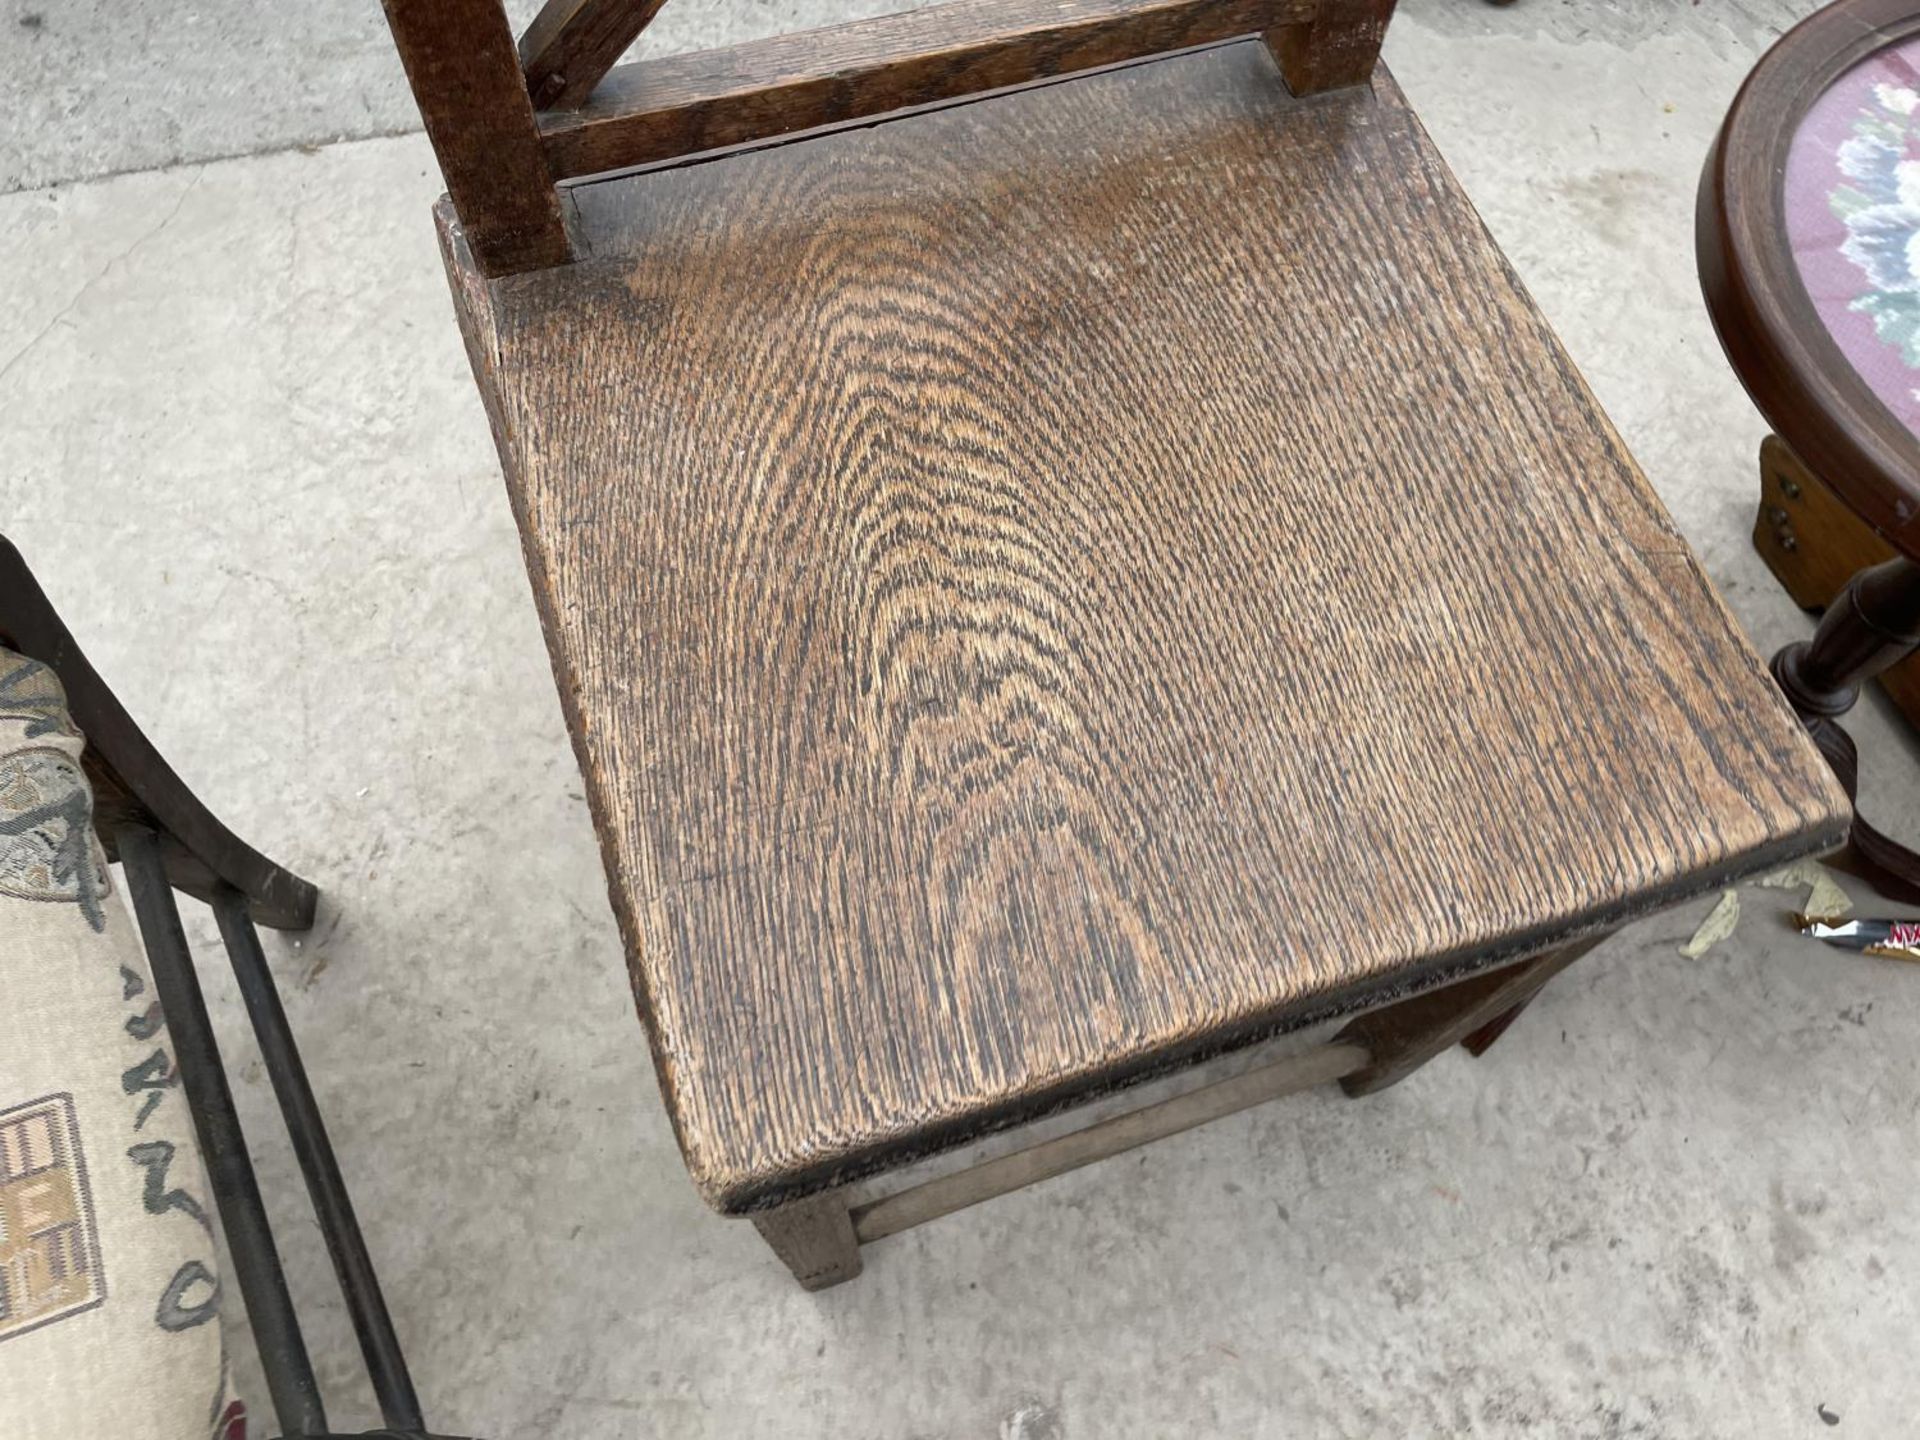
x: 1791, y: 367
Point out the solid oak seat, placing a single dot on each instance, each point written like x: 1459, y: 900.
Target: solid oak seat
x: 1056, y: 586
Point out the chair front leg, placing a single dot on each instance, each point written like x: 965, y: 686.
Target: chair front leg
x: 814, y: 1238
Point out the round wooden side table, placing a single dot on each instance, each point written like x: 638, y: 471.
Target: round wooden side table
x: 1808, y: 233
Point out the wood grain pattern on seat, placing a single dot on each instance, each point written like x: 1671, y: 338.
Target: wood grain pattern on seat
x: 1051, y: 587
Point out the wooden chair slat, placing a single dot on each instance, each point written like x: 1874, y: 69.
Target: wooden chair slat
x: 571, y: 44
x: 684, y: 104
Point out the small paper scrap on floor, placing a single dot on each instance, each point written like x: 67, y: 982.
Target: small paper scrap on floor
x: 1716, y: 927
x: 1825, y: 900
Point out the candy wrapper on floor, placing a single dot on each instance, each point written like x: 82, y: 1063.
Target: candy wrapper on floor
x: 1897, y: 939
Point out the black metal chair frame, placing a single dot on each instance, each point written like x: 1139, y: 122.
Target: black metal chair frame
x: 166, y: 840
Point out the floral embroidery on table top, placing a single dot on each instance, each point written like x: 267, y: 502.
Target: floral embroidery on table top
x: 1880, y: 206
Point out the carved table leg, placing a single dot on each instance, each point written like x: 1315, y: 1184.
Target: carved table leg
x: 815, y: 1239
x: 1404, y: 1036
x: 1871, y: 626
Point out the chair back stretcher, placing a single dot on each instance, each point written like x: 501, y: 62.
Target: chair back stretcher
x: 509, y: 121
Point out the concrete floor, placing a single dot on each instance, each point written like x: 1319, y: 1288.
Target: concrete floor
x: 239, y: 441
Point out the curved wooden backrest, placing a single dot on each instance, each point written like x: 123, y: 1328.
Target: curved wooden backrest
x: 510, y: 120
x: 132, y: 784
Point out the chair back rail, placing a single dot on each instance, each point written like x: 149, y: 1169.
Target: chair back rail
x: 478, y: 91
x: 684, y: 104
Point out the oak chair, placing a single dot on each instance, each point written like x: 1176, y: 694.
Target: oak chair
x: 1065, y: 551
